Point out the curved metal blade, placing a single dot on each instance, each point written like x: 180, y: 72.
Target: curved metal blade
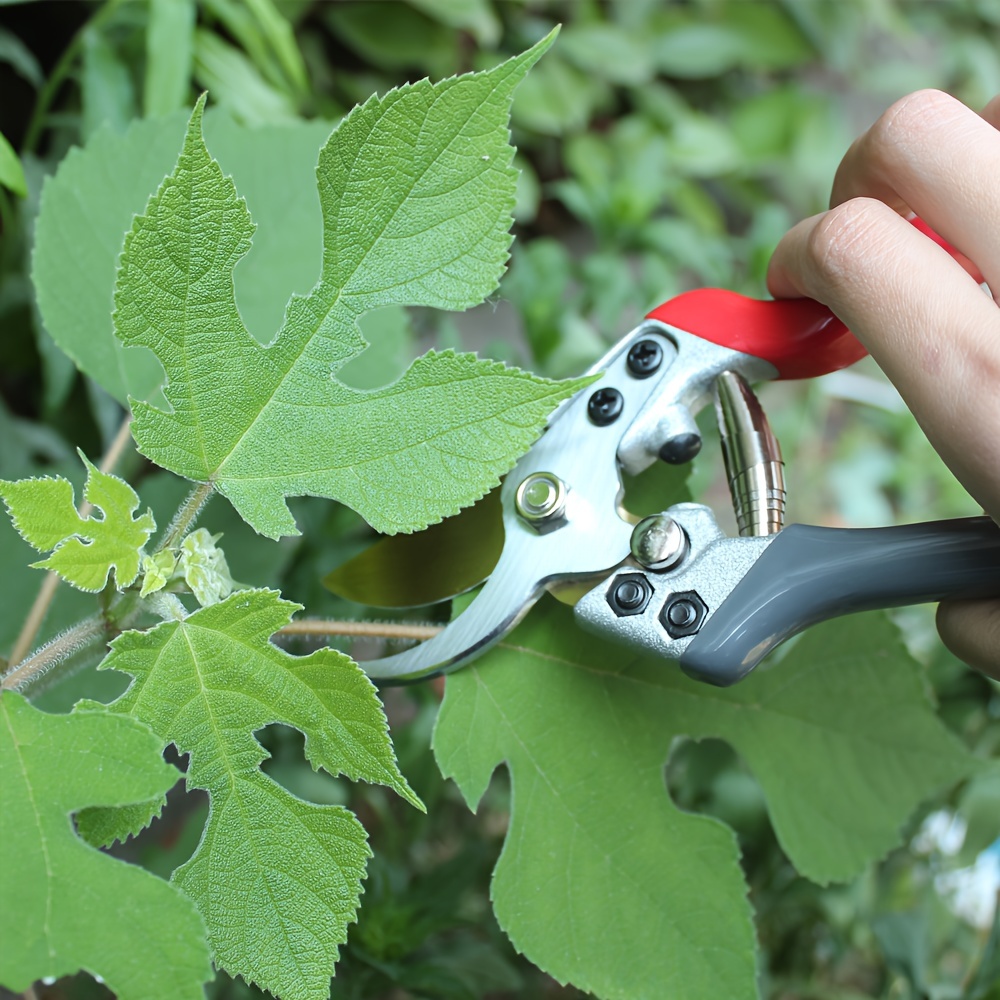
x: 496, y: 609
x: 436, y: 564
x: 620, y: 421
x: 588, y: 541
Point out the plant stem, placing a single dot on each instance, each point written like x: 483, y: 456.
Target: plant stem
x: 58, y: 75
x: 99, y: 628
x: 47, y: 591
x: 26, y: 637
x: 186, y: 516
x: 365, y: 630
x: 52, y: 653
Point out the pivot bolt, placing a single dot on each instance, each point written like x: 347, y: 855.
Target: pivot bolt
x: 644, y: 358
x: 683, y: 614
x: 541, y: 497
x: 629, y: 594
x: 658, y: 542
x: 605, y: 406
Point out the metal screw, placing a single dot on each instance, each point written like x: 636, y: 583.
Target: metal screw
x: 629, y: 594
x: 644, y: 358
x: 540, y: 497
x: 658, y: 542
x: 605, y: 406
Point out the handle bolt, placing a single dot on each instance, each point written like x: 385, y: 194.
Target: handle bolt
x: 683, y: 614
x: 629, y: 594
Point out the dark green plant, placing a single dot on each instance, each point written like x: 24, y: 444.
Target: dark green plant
x: 661, y: 147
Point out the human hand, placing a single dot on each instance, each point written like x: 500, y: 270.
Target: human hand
x: 919, y: 311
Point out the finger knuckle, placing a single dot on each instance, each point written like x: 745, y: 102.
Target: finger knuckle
x: 841, y: 244
x: 907, y: 125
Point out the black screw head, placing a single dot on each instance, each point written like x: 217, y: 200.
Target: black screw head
x: 644, y: 358
x: 683, y: 614
x: 680, y: 448
x: 629, y: 594
x: 680, y: 614
x: 605, y: 406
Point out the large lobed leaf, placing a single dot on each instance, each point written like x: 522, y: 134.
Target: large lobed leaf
x: 276, y: 879
x: 603, y: 882
x: 99, y: 189
x: 416, y: 190
x: 66, y: 906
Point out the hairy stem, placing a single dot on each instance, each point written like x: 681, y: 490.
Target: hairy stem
x: 365, y: 630
x: 26, y: 637
x: 53, y: 653
x: 186, y: 516
x: 97, y: 629
x: 47, y: 591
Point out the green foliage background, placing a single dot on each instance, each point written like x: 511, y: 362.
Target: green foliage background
x: 662, y: 146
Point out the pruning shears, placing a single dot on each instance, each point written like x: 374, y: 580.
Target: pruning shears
x: 674, y: 585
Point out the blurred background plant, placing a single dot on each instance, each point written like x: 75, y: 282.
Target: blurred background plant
x: 663, y: 145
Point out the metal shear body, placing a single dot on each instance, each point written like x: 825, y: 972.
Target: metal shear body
x: 674, y: 585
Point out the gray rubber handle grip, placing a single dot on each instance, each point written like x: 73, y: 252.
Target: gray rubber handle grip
x: 809, y: 574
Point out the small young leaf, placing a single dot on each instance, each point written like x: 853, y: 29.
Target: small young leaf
x: 11, y: 171
x: 66, y: 906
x: 31, y: 449
x: 88, y: 548
x: 276, y: 879
x: 416, y: 189
x: 603, y: 882
x: 205, y: 568
x: 157, y: 569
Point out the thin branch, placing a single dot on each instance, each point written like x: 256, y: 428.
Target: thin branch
x: 29, y: 631
x: 361, y: 630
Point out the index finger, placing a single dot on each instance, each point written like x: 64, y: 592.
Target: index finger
x: 923, y: 318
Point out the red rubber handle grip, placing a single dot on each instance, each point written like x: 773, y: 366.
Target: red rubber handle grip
x: 800, y: 337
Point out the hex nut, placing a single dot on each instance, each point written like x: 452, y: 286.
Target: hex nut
x: 629, y: 594
x: 540, y: 500
x: 683, y: 614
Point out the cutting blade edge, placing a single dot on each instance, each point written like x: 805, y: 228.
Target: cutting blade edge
x: 494, y: 611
